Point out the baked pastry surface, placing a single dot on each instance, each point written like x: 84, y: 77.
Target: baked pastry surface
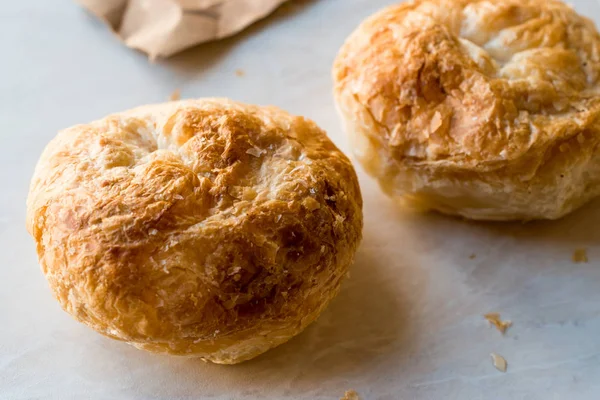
x: 203, y: 228
x: 479, y: 108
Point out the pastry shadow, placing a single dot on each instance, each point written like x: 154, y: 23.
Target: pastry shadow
x: 366, y: 324
x: 579, y: 228
x: 502, y: 258
x: 192, y: 61
x: 365, y: 329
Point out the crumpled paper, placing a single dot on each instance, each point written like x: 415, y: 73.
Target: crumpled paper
x: 162, y: 28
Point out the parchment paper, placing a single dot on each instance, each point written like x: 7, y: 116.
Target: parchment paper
x: 162, y: 28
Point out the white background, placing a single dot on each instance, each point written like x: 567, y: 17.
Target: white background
x: 407, y: 325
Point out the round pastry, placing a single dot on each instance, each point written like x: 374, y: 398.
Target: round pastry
x: 202, y: 228
x: 484, y: 109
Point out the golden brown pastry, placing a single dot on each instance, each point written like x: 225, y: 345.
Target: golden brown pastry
x: 485, y: 109
x: 203, y: 228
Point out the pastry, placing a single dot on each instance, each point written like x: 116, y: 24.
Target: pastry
x: 203, y: 228
x: 483, y: 109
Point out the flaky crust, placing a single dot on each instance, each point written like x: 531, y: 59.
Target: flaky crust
x: 485, y: 109
x: 204, y: 227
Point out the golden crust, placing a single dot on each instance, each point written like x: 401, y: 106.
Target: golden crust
x: 203, y: 228
x: 485, y: 109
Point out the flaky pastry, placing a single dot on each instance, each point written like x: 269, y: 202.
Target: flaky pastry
x: 479, y: 108
x: 203, y: 228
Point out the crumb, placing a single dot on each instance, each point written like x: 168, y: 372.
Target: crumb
x: 436, y: 122
x: 176, y: 95
x: 311, y: 204
x: 472, y: 256
x: 255, y: 151
x: 580, y: 256
x: 239, y: 72
x: 495, y: 320
x: 350, y: 395
x: 499, y: 362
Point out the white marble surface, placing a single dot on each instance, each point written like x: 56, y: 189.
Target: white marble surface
x: 407, y: 325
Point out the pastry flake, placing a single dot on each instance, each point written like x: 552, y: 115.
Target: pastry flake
x: 495, y: 320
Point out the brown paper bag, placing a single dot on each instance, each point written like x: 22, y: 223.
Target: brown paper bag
x: 162, y: 28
